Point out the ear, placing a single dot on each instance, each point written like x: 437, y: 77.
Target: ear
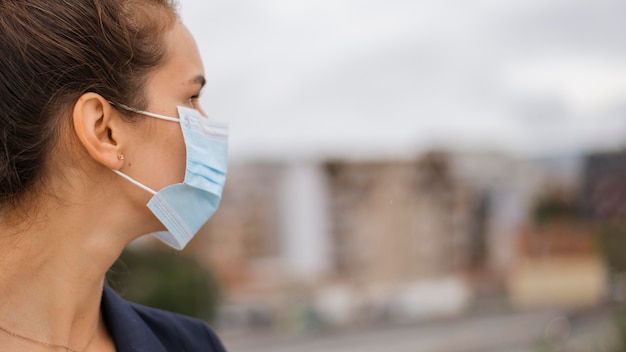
x: 97, y: 126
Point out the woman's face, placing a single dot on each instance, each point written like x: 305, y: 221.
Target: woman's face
x: 157, y: 159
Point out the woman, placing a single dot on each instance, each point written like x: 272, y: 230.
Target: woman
x: 94, y: 94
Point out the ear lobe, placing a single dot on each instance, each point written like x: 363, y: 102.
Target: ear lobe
x: 95, y: 124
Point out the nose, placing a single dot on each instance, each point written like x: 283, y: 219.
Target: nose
x: 201, y: 110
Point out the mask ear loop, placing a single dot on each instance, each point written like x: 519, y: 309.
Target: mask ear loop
x: 136, y: 183
x: 121, y: 156
x: 151, y: 114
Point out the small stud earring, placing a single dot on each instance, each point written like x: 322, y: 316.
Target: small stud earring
x: 120, y: 157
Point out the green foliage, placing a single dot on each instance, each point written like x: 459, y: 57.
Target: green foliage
x: 612, y: 237
x: 620, y: 323
x: 165, y: 280
x: 554, y: 206
x: 613, y: 244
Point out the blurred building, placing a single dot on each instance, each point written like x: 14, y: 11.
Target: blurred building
x: 397, y: 222
x: 334, y: 233
x: 560, y: 264
x: 603, y: 202
x: 241, y: 242
x: 507, y: 187
x: 336, y: 242
x: 604, y: 189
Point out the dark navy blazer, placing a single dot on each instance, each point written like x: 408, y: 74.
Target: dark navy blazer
x: 136, y: 328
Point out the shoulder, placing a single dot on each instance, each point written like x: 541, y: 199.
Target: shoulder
x: 137, y: 328
x: 175, y: 330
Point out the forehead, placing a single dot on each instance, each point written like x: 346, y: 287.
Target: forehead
x: 183, y: 62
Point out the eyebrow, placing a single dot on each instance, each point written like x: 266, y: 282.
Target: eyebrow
x: 199, y: 80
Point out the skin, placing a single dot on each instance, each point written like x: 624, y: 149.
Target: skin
x: 53, y: 266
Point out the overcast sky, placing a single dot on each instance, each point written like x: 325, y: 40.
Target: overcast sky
x: 377, y: 78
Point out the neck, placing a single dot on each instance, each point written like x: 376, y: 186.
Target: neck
x: 52, y: 272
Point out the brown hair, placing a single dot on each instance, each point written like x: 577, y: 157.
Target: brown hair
x: 54, y: 51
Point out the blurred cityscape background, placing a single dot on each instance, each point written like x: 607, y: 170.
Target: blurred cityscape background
x: 408, y: 175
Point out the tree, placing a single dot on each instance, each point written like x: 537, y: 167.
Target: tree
x: 165, y: 280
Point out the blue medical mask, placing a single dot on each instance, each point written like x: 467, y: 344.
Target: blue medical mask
x: 184, y: 207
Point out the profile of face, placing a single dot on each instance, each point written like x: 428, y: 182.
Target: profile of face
x: 157, y: 159
x: 181, y: 205
x: 68, y: 135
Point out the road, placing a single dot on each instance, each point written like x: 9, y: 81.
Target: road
x: 512, y: 332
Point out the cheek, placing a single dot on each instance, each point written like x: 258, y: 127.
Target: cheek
x: 168, y: 147
x: 176, y: 157
x: 181, y: 163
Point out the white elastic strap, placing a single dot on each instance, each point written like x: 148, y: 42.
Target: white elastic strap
x: 135, y: 182
x: 162, y: 117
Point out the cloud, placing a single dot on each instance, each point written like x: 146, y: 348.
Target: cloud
x: 332, y: 77
x: 585, y: 85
